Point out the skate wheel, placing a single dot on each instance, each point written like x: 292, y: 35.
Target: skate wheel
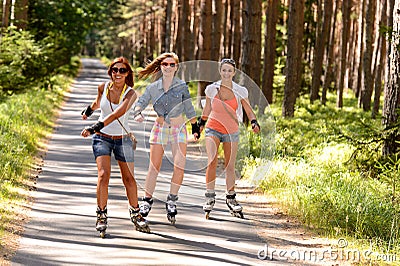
x: 102, y: 234
x: 171, y: 219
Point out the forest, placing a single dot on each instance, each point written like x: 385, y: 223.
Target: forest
x: 312, y: 59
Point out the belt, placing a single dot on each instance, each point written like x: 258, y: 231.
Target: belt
x: 109, y: 136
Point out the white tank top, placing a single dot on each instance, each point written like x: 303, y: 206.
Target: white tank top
x: 114, y: 128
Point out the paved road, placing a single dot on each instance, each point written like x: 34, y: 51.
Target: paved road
x: 61, y: 229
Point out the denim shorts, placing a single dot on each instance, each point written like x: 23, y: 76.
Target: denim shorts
x: 233, y: 137
x: 122, y: 148
x: 168, y: 134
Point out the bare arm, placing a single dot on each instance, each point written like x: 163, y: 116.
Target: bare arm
x: 96, y: 103
x: 250, y: 114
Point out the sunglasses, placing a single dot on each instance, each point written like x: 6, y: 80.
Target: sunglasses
x: 228, y: 61
x: 165, y: 64
x: 121, y: 70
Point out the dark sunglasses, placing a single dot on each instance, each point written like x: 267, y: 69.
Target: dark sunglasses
x: 228, y: 61
x: 121, y: 70
x: 165, y: 64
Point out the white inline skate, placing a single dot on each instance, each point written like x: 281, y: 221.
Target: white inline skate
x: 145, y: 206
x: 209, y: 203
x: 170, y: 206
x: 234, y: 207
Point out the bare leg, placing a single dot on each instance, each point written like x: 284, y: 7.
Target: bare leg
x: 103, y: 178
x: 179, y: 155
x: 212, y: 144
x: 156, y: 155
x: 230, y: 151
x: 127, y: 173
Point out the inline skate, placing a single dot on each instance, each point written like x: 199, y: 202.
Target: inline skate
x: 141, y: 224
x: 170, y: 206
x: 209, y: 203
x: 145, y: 206
x: 234, y: 207
x: 101, y: 223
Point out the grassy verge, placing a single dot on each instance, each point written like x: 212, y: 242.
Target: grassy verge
x: 316, y: 178
x: 26, y: 119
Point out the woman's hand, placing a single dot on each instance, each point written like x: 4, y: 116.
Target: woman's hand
x: 255, y: 126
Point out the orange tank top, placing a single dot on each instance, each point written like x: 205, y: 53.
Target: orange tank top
x: 219, y: 118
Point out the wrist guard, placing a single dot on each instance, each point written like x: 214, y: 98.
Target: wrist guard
x: 201, y: 122
x: 95, y: 128
x: 196, y: 129
x: 88, y: 111
x: 254, y: 123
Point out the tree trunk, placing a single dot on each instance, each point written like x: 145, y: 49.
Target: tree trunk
x: 330, y: 50
x: 227, y: 31
x: 343, y: 56
x: 187, y: 40
x: 168, y: 17
x: 217, y: 31
x: 6, y: 13
x: 271, y: 14
x: 252, y: 39
x: 361, y: 52
x: 205, y: 39
x: 179, y: 31
x: 294, y: 56
x: 392, y: 86
x: 237, y: 31
x: 21, y: 14
x: 196, y: 28
x: 319, y: 50
x: 366, y: 91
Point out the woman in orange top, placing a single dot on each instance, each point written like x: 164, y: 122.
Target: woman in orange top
x: 223, y: 110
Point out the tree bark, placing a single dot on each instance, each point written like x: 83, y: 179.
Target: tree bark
x: 330, y: 51
x: 252, y: 39
x: 186, y: 41
x: 271, y: 14
x: 6, y: 13
x: 319, y: 50
x: 168, y: 17
x: 343, y: 53
x: 366, y: 91
x: 21, y: 14
x: 382, y: 56
x: 217, y: 31
x: 237, y: 31
x: 205, y: 39
x: 294, y: 56
x: 392, y: 86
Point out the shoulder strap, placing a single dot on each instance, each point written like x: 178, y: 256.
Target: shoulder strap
x: 112, y: 109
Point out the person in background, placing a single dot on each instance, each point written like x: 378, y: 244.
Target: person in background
x: 114, y: 99
x: 220, y: 118
x: 170, y: 99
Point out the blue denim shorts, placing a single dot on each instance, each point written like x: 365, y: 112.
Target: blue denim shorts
x: 122, y: 148
x: 234, y: 137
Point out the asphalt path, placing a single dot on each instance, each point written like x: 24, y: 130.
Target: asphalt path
x: 62, y: 218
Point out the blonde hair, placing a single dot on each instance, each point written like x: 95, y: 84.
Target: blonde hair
x: 154, y: 67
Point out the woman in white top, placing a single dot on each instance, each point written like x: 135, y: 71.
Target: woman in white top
x: 221, y: 115
x: 114, y: 98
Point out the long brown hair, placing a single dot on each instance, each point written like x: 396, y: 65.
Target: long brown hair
x: 154, y: 67
x: 123, y: 60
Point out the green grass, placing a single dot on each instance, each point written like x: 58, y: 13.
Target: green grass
x: 317, y: 179
x: 26, y: 119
